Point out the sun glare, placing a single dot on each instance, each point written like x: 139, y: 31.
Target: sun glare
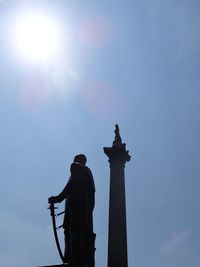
x: 37, y: 37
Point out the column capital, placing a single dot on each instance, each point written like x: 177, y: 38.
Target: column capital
x: 118, y: 152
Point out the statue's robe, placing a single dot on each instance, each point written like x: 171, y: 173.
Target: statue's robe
x: 78, y: 221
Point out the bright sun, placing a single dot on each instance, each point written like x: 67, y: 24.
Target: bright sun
x: 37, y: 37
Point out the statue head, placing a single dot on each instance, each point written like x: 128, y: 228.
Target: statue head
x: 80, y: 158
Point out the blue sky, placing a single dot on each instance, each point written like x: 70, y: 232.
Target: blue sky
x: 135, y: 63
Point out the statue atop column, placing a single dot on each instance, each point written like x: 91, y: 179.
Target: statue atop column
x: 118, y: 150
x: 118, y: 141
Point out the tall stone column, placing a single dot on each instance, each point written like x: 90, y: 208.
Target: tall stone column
x: 117, y: 234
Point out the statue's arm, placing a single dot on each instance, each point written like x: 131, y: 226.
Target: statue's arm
x: 63, y: 194
x: 91, y: 186
x: 91, y: 180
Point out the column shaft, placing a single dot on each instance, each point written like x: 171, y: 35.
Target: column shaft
x: 117, y: 237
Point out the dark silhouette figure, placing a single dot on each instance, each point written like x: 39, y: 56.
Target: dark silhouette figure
x: 79, y: 194
x: 118, y: 141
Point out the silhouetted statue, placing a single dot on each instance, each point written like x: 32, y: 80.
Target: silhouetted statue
x: 118, y: 141
x: 79, y: 194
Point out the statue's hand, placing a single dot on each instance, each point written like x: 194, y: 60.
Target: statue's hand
x: 51, y: 200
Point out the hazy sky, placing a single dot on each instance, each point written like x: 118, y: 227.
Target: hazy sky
x: 135, y: 63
